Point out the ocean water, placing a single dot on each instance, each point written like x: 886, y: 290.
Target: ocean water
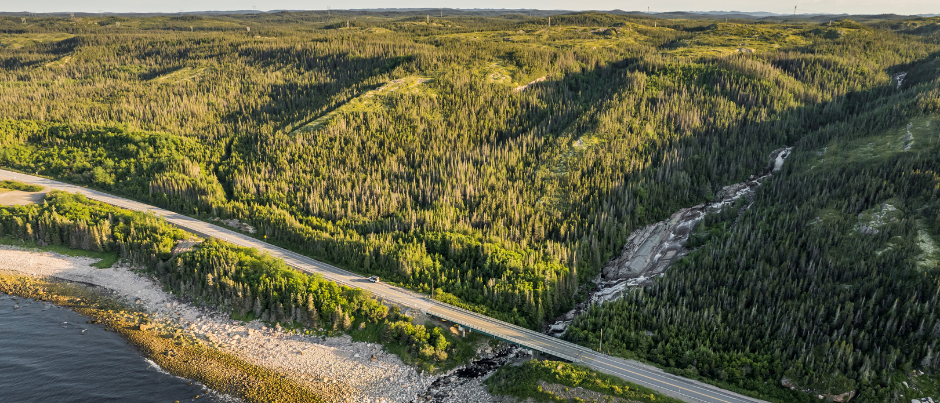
x: 44, y: 357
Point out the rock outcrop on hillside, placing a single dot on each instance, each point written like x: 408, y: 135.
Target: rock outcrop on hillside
x: 649, y: 251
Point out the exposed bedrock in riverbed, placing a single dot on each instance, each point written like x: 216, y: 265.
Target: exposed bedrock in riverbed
x: 464, y: 384
x: 649, y: 251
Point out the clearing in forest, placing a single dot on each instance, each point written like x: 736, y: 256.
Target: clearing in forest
x: 919, y: 133
x: 566, y: 151
x: 18, y: 193
x: 187, y: 73
x: 726, y: 38
x: 16, y: 41
x: 516, y: 73
x: 374, y: 100
x: 60, y: 62
x: 930, y: 252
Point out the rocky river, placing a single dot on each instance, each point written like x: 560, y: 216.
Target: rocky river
x: 651, y: 250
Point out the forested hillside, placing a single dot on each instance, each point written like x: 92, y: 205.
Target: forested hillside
x: 498, y: 159
x: 829, y: 280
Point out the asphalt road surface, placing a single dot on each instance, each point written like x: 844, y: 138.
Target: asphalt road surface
x: 675, y: 386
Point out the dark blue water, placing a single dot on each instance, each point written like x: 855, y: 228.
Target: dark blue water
x: 44, y: 357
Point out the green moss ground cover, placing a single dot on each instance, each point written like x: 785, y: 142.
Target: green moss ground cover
x: 522, y: 382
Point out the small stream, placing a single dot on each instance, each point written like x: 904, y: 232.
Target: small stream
x: 651, y: 250
x: 899, y: 78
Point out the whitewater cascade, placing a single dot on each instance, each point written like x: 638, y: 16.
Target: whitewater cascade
x: 651, y: 250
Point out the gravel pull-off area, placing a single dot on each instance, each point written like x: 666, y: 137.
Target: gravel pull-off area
x: 347, y: 367
x: 16, y: 197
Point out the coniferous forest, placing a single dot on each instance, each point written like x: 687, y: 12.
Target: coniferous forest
x: 503, y: 162
x: 244, y: 282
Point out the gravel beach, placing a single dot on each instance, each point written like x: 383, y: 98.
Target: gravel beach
x: 342, y: 365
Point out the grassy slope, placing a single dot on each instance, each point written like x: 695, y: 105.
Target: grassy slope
x: 523, y: 382
x: 874, y: 149
x: 723, y: 38
x: 880, y: 147
x: 16, y: 41
x: 375, y: 100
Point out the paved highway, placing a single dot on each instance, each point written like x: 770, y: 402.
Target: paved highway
x: 675, y: 386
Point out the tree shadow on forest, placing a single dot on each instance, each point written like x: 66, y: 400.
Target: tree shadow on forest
x: 56, y: 50
x: 712, y: 157
x: 808, y: 127
x: 292, y: 104
x: 919, y: 72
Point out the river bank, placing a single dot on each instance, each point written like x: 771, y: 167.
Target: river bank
x: 203, y: 344
x: 649, y: 251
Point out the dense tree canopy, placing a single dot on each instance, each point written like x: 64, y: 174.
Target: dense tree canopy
x: 243, y: 281
x: 496, y: 159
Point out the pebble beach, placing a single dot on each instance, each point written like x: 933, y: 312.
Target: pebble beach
x: 350, y: 371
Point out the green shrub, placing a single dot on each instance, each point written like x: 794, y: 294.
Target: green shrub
x: 522, y: 382
x: 16, y: 185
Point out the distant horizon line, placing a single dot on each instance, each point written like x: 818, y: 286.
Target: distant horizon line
x: 255, y: 11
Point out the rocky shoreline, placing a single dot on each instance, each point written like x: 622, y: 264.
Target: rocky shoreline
x: 336, y: 368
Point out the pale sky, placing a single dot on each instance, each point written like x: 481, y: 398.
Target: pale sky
x: 803, y: 6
